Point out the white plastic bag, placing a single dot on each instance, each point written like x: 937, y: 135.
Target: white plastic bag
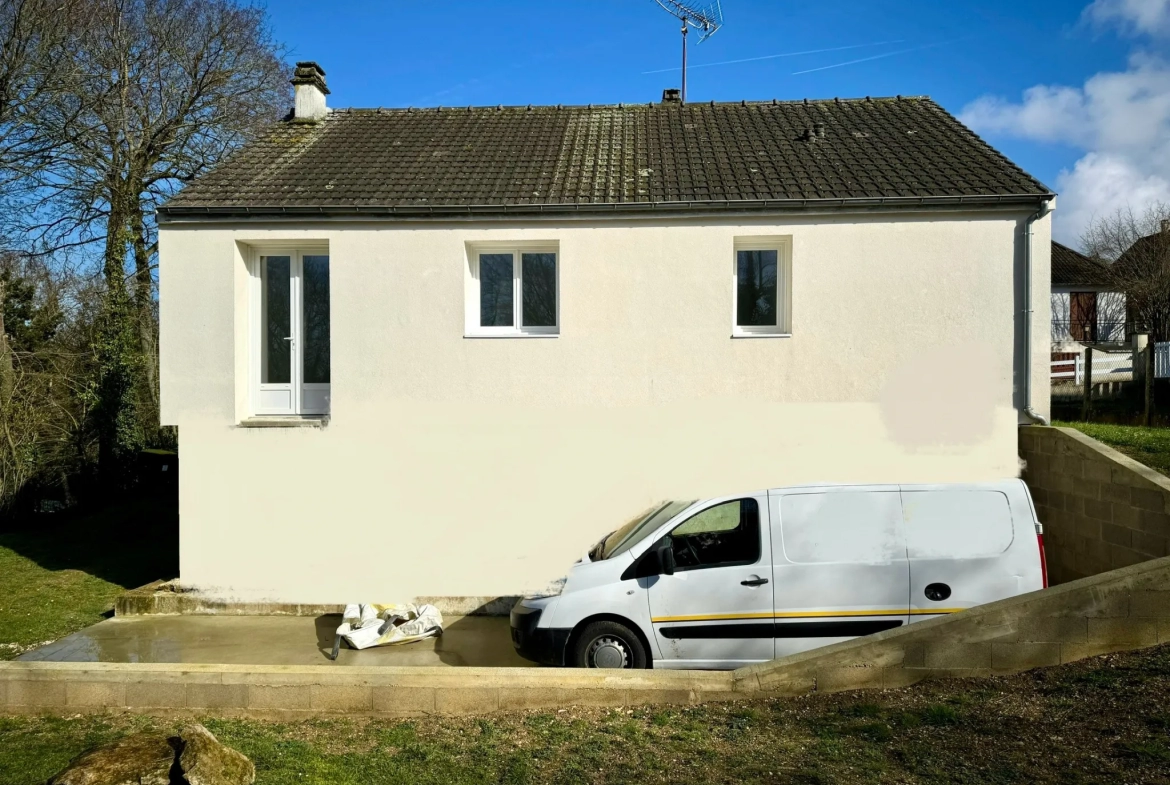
x: 364, y: 626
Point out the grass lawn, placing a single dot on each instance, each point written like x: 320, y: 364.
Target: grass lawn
x: 1097, y: 721
x: 64, y: 575
x: 1150, y: 446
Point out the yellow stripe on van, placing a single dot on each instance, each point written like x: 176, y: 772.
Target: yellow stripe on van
x: 789, y: 615
x: 933, y: 611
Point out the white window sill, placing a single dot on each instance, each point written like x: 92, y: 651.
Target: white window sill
x: 284, y: 421
x: 511, y: 335
x: 761, y: 335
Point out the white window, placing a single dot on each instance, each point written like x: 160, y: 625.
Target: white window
x: 513, y: 291
x: 290, y: 332
x: 761, y: 295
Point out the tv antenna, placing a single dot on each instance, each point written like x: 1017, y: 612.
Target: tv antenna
x: 707, y: 17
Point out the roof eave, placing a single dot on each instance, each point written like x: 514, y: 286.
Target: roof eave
x: 184, y: 214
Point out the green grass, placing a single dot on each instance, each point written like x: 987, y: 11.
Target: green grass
x: 1051, y: 725
x: 1150, y: 446
x: 64, y: 575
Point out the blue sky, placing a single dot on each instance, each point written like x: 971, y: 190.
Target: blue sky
x: 975, y: 57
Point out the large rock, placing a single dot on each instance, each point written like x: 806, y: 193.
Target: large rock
x: 140, y: 759
x: 204, y: 761
x: 194, y: 757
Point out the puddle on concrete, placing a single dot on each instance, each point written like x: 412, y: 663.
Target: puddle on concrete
x: 482, y: 641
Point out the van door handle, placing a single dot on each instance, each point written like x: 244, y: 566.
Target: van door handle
x: 754, y: 582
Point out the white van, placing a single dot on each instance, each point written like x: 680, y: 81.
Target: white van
x: 726, y: 582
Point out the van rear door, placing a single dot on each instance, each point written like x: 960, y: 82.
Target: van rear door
x: 959, y: 541
x: 838, y: 564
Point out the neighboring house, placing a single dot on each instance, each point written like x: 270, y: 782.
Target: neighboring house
x: 442, y: 351
x: 1087, y: 308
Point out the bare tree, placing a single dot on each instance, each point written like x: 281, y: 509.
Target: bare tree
x: 1137, y: 247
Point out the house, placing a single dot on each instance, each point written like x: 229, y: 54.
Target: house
x: 442, y: 351
x: 1088, y: 307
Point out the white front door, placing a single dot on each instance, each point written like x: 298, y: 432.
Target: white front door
x: 293, y: 334
x: 839, y: 565
x: 715, y: 611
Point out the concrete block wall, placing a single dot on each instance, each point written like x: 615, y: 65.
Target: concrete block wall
x: 1115, y: 611
x: 1101, y: 510
x: 1118, y: 610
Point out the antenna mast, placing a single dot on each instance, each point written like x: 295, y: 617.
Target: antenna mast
x: 707, y: 17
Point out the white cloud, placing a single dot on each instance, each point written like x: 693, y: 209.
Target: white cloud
x: 1120, y: 119
x: 1138, y: 16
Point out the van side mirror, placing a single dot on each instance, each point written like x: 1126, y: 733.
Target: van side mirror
x: 657, y: 560
x: 666, y: 557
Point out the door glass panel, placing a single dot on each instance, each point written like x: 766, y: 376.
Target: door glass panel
x: 722, y: 535
x: 276, y: 364
x: 316, y: 319
x: 495, y: 290
x: 539, y: 285
x: 756, y: 294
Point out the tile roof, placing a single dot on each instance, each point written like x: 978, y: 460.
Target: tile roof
x: 622, y: 158
x: 1070, y: 268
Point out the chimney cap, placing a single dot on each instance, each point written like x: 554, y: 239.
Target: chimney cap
x: 671, y: 95
x: 309, y: 73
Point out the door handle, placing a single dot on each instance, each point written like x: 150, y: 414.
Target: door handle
x: 754, y: 582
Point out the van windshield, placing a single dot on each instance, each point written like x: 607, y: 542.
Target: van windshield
x: 633, y: 532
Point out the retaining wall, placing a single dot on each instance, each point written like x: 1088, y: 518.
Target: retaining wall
x: 1101, y: 510
x: 1123, y: 609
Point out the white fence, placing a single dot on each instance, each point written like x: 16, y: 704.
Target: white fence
x: 1109, y: 366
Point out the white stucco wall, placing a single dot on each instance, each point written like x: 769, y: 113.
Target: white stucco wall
x: 461, y: 466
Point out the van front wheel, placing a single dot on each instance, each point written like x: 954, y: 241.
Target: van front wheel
x: 607, y: 644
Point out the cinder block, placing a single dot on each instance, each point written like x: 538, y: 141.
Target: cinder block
x: 340, y: 698
x: 529, y: 698
x: 1111, y: 492
x: 1153, y: 522
x: 217, y: 696
x: 944, y: 654
x: 406, y: 702
x: 1023, y: 656
x: 1099, y: 472
x: 1099, y: 510
x: 1100, y: 605
x: 1125, y: 557
x: 295, y: 697
x: 1072, y: 629
x: 1116, y: 535
x: 1163, y: 630
x: 894, y: 678
x: 1148, y: 499
x: 1125, y: 514
x: 1130, y: 631
x: 466, y: 700
x: 1071, y: 652
x: 639, y: 697
x: 95, y: 694
x: 156, y: 695
x: 40, y: 694
x: 1150, y: 604
x: 840, y: 679
x: 1087, y: 527
x: 1152, y: 545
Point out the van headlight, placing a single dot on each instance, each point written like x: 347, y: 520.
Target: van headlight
x: 552, y: 590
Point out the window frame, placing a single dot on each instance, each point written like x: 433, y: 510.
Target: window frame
x: 741, y: 563
x: 472, y: 326
x: 782, y: 245
x: 256, y: 275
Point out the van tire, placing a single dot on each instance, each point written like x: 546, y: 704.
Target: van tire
x: 610, y: 643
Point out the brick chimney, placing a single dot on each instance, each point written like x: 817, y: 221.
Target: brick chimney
x: 309, y: 91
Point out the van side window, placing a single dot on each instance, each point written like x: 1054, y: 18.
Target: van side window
x: 841, y: 527
x: 721, y: 536
x: 956, y: 524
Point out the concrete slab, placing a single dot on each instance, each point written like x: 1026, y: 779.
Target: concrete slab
x: 475, y: 641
